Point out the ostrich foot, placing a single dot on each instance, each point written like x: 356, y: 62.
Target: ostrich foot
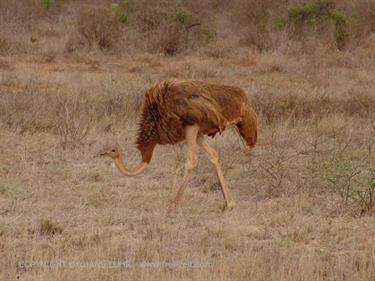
x: 229, y: 206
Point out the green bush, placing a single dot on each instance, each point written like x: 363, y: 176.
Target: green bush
x: 184, y: 16
x: 47, y: 4
x: 318, y: 13
x: 341, y: 29
x: 119, y: 12
x: 352, y: 180
x: 166, y: 27
x: 311, y: 13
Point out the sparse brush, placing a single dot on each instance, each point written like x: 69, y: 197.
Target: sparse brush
x: 76, y: 120
x: 119, y: 12
x: 173, y: 27
x: 167, y: 27
x: 300, y: 192
x: 184, y: 17
x: 5, y: 48
x: 47, y: 4
x: 318, y: 14
x: 353, y: 181
x: 276, y: 106
x: 95, y: 27
x: 26, y: 111
x: 47, y: 227
x: 255, y: 22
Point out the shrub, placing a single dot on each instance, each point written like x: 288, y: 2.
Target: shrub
x: 184, y: 16
x: 319, y: 13
x: 166, y: 27
x: 341, y: 33
x: 71, y: 116
x: 119, y: 12
x: 46, y: 227
x: 95, y: 27
x: 76, y: 120
x: 312, y: 12
x: 353, y: 181
x: 47, y: 4
x: 254, y: 21
x: 360, y: 19
x: 181, y: 34
x: 5, y: 47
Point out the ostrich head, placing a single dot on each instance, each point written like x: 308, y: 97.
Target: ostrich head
x: 113, y: 152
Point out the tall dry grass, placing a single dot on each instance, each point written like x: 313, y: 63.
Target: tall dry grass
x: 72, y: 77
x: 173, y: 27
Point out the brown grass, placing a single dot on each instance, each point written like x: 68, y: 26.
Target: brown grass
x: 66, y: 214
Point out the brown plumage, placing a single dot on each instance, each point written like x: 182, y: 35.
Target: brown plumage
x: 187, y: 110
x: 168, y: 107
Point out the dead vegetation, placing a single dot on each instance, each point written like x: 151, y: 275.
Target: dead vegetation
x: 72, y: 75
x: 173, y: 27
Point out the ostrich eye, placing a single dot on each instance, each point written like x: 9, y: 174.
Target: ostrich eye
x: 113, y: 150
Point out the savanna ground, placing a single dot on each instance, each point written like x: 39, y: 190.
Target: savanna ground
x: 72, y: 76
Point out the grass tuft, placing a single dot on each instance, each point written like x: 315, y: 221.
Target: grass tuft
x: 47, y: 227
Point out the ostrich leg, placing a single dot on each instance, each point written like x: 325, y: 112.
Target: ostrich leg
x: 191, y: 163
x: 213, y: 155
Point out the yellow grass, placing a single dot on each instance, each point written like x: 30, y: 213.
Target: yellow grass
x: 288, y: 224
x: 67, y: 214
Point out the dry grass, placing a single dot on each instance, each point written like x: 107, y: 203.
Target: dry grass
x: 46, y: 27
x: 304, y: 195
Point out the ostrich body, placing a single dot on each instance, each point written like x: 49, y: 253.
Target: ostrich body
x: 178, y: 111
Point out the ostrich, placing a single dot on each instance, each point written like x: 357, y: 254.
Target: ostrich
x: 177, y: 111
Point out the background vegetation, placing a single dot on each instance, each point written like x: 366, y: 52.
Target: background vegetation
x: 72, y: 78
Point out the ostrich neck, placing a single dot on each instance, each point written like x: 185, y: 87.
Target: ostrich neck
x: 146, y: 152
x: 124, y: 170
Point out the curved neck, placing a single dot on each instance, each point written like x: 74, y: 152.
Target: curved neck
x: 146, y: 151
x: 136, y: 171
